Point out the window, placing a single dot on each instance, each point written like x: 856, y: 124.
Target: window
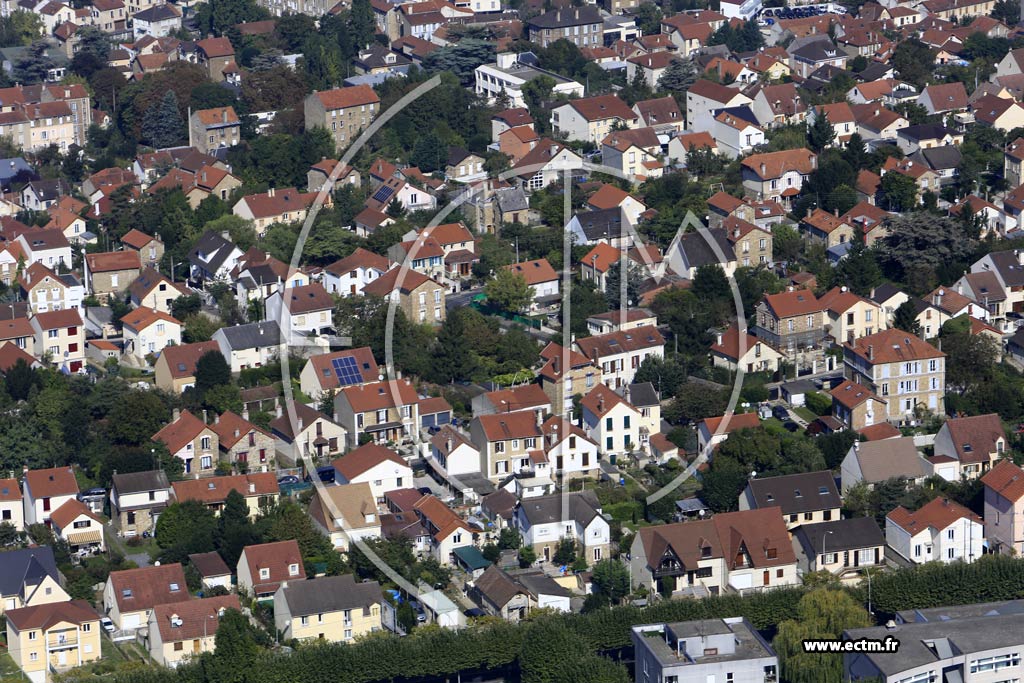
x: 293, y: 569
x: 996, y: 663
x: 304, y: 621
x: 625, y: 422
x: 515, y: 444
x: 609, y: 443
x: 204, y: 443
x: 951, y: 553
x: 179, y: 646
x: 52, y: 334
x: 608, y: 424
x: 951, y: 534
x: 32, y: 635
x: 917, y: 550
x: 206, y: 462
x: 264, y: 573
x: 86, y: 628
x: 33, y: 656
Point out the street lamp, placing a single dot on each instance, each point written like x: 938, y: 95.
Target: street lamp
x: 824, y: 555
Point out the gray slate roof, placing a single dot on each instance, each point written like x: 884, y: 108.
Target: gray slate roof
x: 842, y: 534
x: 137, y: 482
x: 252, y: 335
x: 330, y: 594
x: 796, y: 493
x: 18, y: 567
x: 581, y: 507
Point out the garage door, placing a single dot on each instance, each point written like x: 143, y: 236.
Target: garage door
x: 130, y: 621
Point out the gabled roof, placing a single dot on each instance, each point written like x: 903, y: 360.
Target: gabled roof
x: 50, y: 614
x: 938, y: 514
x: 797, y: 493
x: 274, y: 203
x: 143, y: 316
x: 18, y: 566
x: 498, y: 587
x: 442, y: 520
x: 363, y: 459
x: 389, y: 282
x: 251, y: 335
x: 327, y: 377
x: 534, y: 272
x: 231, y: 428
x: 343, y: 98
x: 213, y: 490
x: 602, y: 107
x: 191, y: 619
x: 216, y: 47
x: 1006, y: 479
x: 792, y: 303
x: 775, y: 164
x: 659, y: 111
x: 330, y: 594
x: 71, y: 510
x: 49, y: 483
x: 277, y: 557
x: 850, y: 394
x: 893, y: 346
x: 504, y: 426
x: 881, y: 460
x: 624, y: 341
x: 946, y: 96
x: 601, y: 400
x: 140, y: 482
x: 730, y: 344
x: 380, y: 395
x: 737, y: 421
x: 113, y: 261
x: 307, y: 298
x: 140, y: 589
x: 974, y: 438
x: 181, y: 359
x: 715, y: 91
x: 181, y: 431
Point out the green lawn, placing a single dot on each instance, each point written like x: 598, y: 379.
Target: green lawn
x: 806, y: 413
x: 9, y: 671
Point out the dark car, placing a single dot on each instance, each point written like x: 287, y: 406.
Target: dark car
x: 425, y: 490
x: 325, y: 474
x: 288, y: 480
x: 475, y: 612
x: 780, y: 413
x: 791, y: 426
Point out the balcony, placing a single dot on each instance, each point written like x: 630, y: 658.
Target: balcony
x: 62, y: 641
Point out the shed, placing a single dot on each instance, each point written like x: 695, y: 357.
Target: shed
x: 471, y: 559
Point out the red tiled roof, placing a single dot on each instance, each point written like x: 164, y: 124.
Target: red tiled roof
x: 343, y: 98
x: 1006, y: 479
x: 364, y: 458
x: 216, y: 489
x: 48, y: 483
x: 145, y: 588
x: 113, y: 261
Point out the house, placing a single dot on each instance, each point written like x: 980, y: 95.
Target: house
x: 423, y: 254
x: 1004, y: 114
x: 975, y: 443
x: 848, y: 316
x: 147, y: 331
x: 345, y: 514
x: 1013, y: 156
x: 252, y: 345
x: 610, y: 421
x: 717, y: 645
x: 778, y: 105
x: 319, y: 175
x: 12, y: 509
x: 874, y: 462
x: 179, y: 631
x: 505, y: 441
x: 633, y: 152
x: 508, y: 74
x: 542, y: 280
x: 131, y: 594
x: 217, y: 56
x: 48, y: 246
x: 155, y: 290
x: 463, y: 166
x: 790, y: 321
x: 689, y: 33
x: 565, y: 374
x: 500, y: 595
x: 286, y: 205
x: 454, y: 457
x: 302, y: 311
x: 777, y: 176
x: 29, y: 578
x: 736, y: 135
x: 136, y: 501
x: 213, y: 129
x: 840, y: 116
x: 755, y: 356
x: 212, y: 570
x: 175, y: 369
x: 712, y: 431
x: 925, y: 136
x: 847, y: 548
x: 694, y: 250
x: 649, y: 67
x: 548, y: 162
x: 344, y: 112
x: 529, y: 397
x: 329, y: 372
x: 348, y: 276
x: 582, y: 26
x: 311, y: 434
x: 447, y: 531
x: 906, y: 371
x: 213, y: 257
x: 943, y: 98
x: 78, y: 526
x: 40, y: 195
x: 44, y: 290
x: 243, y: 445
x: 856, y: 406
x: 825, y: 228
x: 158, y: 21
x: 808, y: 498
x: 419, y: 297
x: 45, y: 491
x: 260, y: 490
x: 705, y: 99
x: 53, y: 637
x: 591, y: 119
x: 192, y: 441
x: 662, y: 114
x: 876, y: 124
x: 733, y: 551
x: 376, y: 465
x: 264, y: 568
x: 1004, y: 507
x: 941, y: 531
x: 620, y: 354
x: 544, y: 521
x: 815, y: 54
x: 111, y: 272
x: 386, y: 410
x: 568, y: 450
x: 329, y: 609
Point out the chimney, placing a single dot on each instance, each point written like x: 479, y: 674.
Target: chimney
x: 600, y: 404
x: 1020, y: 256
x: 937, y: 299
x: 175, y: 414
x: 871, y: 352
x: 237, y: 433
x: 959, y: 288
x: 555, y: 364
x: 844, y: 289
x: 300, y: 424
x: 540, y: 417
x: 216, y: 419
x: 270, y: 192
x: 277, y: 410
x: 764, y: 169
x: 224, y: 115
x: 718, y: 338
x: 448, y: 444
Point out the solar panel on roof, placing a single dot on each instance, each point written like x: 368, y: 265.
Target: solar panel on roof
x: 347, y: 371
x: 382, y: 193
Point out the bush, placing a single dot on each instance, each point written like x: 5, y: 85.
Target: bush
x: 819, y: 403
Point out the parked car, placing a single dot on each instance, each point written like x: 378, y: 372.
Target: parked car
x: 425, y: 490
x: 475, y: 612
x: 780, y: 413
x: 421, y: 615
x: 107, y: 624
x: 326, y: 474
x: 791, y: 426
x: 288, y: 480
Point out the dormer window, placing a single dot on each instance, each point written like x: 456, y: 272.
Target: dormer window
x: 293, y: 569
x: 264, y: 573
x: 126, y: 593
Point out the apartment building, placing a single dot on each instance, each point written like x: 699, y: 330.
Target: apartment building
x: 905, y: 371
x: 620, y: 354
x: 61, y: 336
x: 420, y: 298
x: 345, y: 112
x: 211, y: 129
x: 582, y: 26
x: 709, y: 650
x: 53, y: 637
x: 790, y: 321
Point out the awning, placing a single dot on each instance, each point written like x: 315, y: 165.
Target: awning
x: 85, y: 537
x: 383, y: 427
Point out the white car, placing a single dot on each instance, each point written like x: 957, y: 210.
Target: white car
x: 107, y: 624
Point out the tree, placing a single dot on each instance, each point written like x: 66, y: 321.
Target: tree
x: 508, y: 291
x: 509, y: 539
x: 913, y: 61
x: 20, y: 28
x: 185, y: 528
x: 234, y: 531
x: 820, y: 133
x: 1006, y: 11
x: 430, y: 153
x: 679, y: 76
x: 859, y: 270
x: 237, y: 647
x: 970, y: 359
x: 922, y: 248
x: 527, y: 556
x: 611, y: 578
x: 34, y: 65
x: 184, y: 306
x: 162, y: 125
x: 460, y: 59
x: 821, y: 614
x: 211, y: 371
x: 93, y: 46
x: 20, y: 379
x: 905, y: 318
x: 136, y: 418
x: 615, y: 288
